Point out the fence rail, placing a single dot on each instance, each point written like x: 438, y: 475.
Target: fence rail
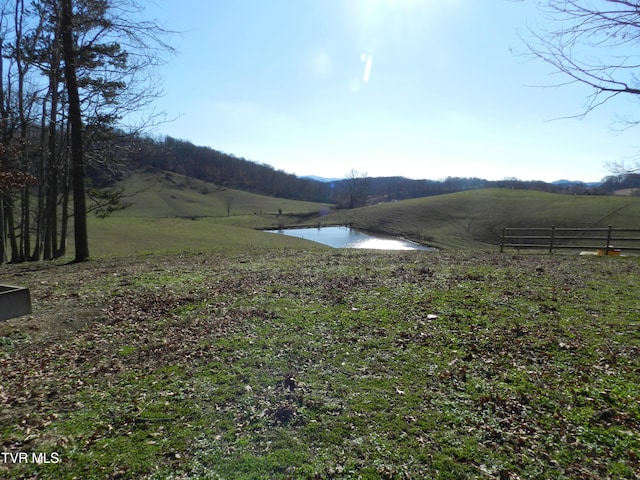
x: 611, y: 241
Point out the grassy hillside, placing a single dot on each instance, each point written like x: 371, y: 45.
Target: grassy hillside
x: 296, y: 364
x: 171, y: 212
x: 157, y: 193
x: 474, y: 218
x: 165, y: 204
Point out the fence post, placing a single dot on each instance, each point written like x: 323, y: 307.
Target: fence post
x: 608, y: 245
x: 553, y: 233
x: 502, y: 240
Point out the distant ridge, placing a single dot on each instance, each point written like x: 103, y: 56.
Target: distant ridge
x: 562, y: 182
x: 321, y: 179
x: 228, y: 171
x: 565, y: 182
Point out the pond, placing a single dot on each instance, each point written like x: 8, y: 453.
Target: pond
x: 346, y: 237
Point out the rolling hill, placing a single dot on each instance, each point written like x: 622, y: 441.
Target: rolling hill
x: 173, y: 212
x: 475, y: 218
x: 165, y: 203
x: 158, y: 193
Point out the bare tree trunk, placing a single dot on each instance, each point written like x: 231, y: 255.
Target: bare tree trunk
x: 3, y: 129
x: 3, y: 249
x: 63, y: 191
x: 51, y: 191
x: 61, y: 249
x: 21, y: 68
x: 75, y: 120
x: 51, y: 185
x: 25, y: 223
x: 11, y: 231
x: 41, y: 219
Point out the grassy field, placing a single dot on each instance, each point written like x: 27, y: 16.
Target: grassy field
x: 474, y: 219
x: 239, y: 354
x: 164, y: 203
x: 171, y: 212
x: 249, y: 363
x: 127, y: 235
x: 164, y: 194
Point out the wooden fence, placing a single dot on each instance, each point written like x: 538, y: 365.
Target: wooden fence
x: 604, y: 241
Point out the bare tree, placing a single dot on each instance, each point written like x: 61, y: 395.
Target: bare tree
x: 108, y: 59
x: 593, y: 43
x: 357, y: 186
x: 228, y: 202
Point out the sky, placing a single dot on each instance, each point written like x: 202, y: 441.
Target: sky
x: 414, y: 88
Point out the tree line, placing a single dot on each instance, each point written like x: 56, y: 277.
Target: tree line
x: 70, y: 70
x: 224, y: 169
x: 354, y: 190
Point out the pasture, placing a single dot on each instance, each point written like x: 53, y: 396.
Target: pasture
x: 296, y: 363
x: 474, y: 219
x: 173, y: 212
x: 197, y: 346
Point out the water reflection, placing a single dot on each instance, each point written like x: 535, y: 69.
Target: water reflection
x: 346, y: 237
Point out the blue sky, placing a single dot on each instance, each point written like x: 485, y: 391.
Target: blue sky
x: 418, y: 88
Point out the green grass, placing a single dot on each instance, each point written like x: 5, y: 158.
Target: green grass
x: 286, y: 363
x: 249, y: 355
x: 474, y: 219
x: 466, y: 220
x: 171, y: 212
x: 163, y: 202
x: 165, y: 194
x: 127, y: 235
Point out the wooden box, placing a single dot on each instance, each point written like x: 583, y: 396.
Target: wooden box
x: 14, y: 302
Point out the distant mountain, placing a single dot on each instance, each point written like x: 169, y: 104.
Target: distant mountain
x: 321, y: 179
x: 565, y: 182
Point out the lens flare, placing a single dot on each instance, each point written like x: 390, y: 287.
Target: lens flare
x: 368, y: 59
